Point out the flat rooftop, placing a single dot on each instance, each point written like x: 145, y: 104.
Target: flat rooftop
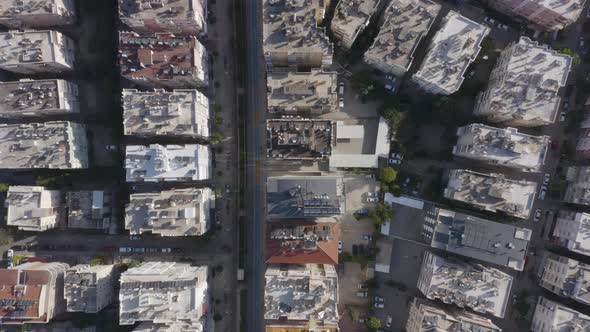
x: 463, y: 284
x: 578, y: 188
x: 502, y: 146
x: 190, y: 162
x: 178, y: 11
x: 299, y: 138
x: 162, y: 57
x: 35, y: 98
x: 527, y: 84
x: 570, y: 8
x: 91, y: 209
x: 291, y: 26
x: 454, y: 47
x: 428, y: 317
x: 179, y: 212
x: 32, y: 207
x: 492, y: 192
x: 291, y: 92
x: 477, y: 238
x: 360, y: 143
x: 60, y: 144
x: 566, y: 277
x: 572, y: 230
x: 304, y: 197
x: 301, y: 293
x: 405, y: 24
x: 165, y: 113
x: 351, y: 17
x: 551, y: 316
x: 16, y: 8
x: 34, y: 47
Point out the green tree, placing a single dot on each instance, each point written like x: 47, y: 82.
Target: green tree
x: 217, y: 138
x: 363, y: 84
x: 392, y: 115
x: 18, y: 259
x: 487, y: 46
x: 3, y: 187
x: 384, y: 210
x: 97, y: 261
x: 373, y: 323
x: 397, y: 191
x: 387, y: 175
x: 575, y: 57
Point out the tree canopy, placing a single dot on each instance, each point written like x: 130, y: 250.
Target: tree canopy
x: 373, y: 323
x: 387, y: 175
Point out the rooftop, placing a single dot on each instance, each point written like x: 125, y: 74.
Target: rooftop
x: 351, y: 17
x: 360, y: 143
x: 427, y: 317
x: 526, y: 83
x: 572, y: 230
x: 190, y: 162
x: 90, y: 209
x: 173, y: 14
x: 291, y: 26
x: 578, y: 188
x: 473, y: 237
x: 15, y: 9
x: 304, y: 197
x: 165, y: 113
x: 301, y: 242
x: 551, y: 316
x: 405, y: 24
x: 292, y: 92
x: 299, y: 138
x: 37, y: 98
x: 179, y: 212
x: 566, y: 277
x: 170, y: 327
x: 35, y: 47
x: 33, y: 208
x: 492, y: 192
x: 88, y: 288
x: 60, y: 144
x: 502, y: 146
x: 301, y: 293
x: 463, y: 284
x: 454, y: 47
x: 162, y: 57
x: 163, y: 292
x: 57, y: 326
x: 569, y: 9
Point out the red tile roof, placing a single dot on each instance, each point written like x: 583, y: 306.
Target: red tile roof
x: 20, y: 294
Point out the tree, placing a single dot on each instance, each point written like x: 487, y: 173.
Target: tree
x: 17, y: 259
x: 487, y: 46
x: 97, y: 261
x: 397, y: 191
x: 575, y: 57
x: 384, y: 210
x: 387, y: 175
x: 363, y: 84
x: 3, y: 187
x: 373, y: 323
x: 392, y: 115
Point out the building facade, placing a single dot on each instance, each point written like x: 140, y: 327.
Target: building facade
x: 572, y: 231
x: 578, y: 185
x: 184, y: 17
x: 546, y: 14
x: 351, y: 18
x: 551, y: 316
x: 565, y: 277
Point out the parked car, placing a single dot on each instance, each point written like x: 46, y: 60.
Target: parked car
x: 9, y: 253
x: 546, y: 179
x: 554, y: 145
x: 341, y: 88
x: 543, y: 192
x: 134, y: 237
x: 111, y: 147
x: 379, y: 298
x: 362, y: 294
x: 395, y: 162
x: 503, y: 27
x: 138, y: 250
x: 178, y: 250
x: 363, y: 286
x: 388, y: 321
x: 489, y: 20
x: 562, y: 116
x: 339, y: 247
x: 341, y: 102
x: 125, y: 249
x: 371, y: 194
x: 371, y: 199
x: 537, y: 216
x: 389, y: 87
x: 362, y: 211
x: 379, y: 305
x: 581, y: 42
x: 367, y: 237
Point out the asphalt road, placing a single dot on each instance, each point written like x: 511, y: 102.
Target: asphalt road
x: 254, y: 189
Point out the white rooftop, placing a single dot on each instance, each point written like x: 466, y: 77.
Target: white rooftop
x: 90, y: 209
x: 427, y: 317
x: 38, y: 98
x: 578, y: 188
x: 290, y: 92
x: 190, y: 162
x: 35, y: 47
x: 567, y: 8
x: 165, y: 113
x: 492, y: 192
x: 179, y: 212
x: 502, y: 146
x: 454, y: 47
x: 566, y: 277
x: 475, y: 286
x: 302, y: 293
x: 572, y: 230
x: 30, y: 11
x: 89, y: 288
x: 351, y: 17
x: 525, y: 84
x: 405, y: 24
x: 33, y: 208
x: 551, y: 316
x: 176, y: 16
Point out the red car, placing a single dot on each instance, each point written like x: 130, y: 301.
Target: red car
x: 554, y: 145
x: 109, y: 249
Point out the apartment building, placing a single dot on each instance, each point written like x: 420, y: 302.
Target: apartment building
x: 301, y: 297
x: 36, y: 52
x: 57, y: 326
x: 496, y: 243
x: 304, y: 196
x: 454, y: 47
x: 166, y: 293
x: 482, y: 289
x: 292, y: 93
x: 302, y: 242
x: 33, y: 209
x: 583, y: 145
x: 32, y: 293
x: 523, y: 89
x: 163, y: 60
x: 178, y: 212
x: 350, y: 19
x: 565, y: 277
x: 578, y: 185
x: 37, y: 98
x: 180, y: 17
x: 424, y: 316
x: 572, y: 231
x: 291, y: 34
x: 89, y: 289
x: 172, y: 327
x: 492, y: 192
x: 545, y: 14
x: 189, y: 162
x: 551, y: 316
x: 18, y: 14
x: 502, y: 146
x: 299, y: 139
x: 59, y: 144
x: 90, y: 209
x: 183, y: 113
x: 405, y: 24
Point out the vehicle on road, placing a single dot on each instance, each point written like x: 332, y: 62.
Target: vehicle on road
x: 395, y: 162
x: 554, y: 145
x: 362, y: 211
x: 543, y: 192
x: 362, y: 294
x: 108, y: 249
x: 379, y: 298
x: 581, y: 42
x: 339, y: 247
x: 111, y: 147
x: 227, y: 189
x: 340, y: 267
x: 134, y: 237
x: 371, y: 199
x: 489, y: 20
x: 363, y: 286
x: 537, y: 216
x: 341, y: 88
x: 388, y: 321
x: 125, y: 249
x: 389, y: 88
x: 367, y: 237
x: 138, y: 250
x: 546, y: 179
x: 503, y: 27
x: 379, y: 305
x: 371, y: 194
x: 562, y: 116
x: 341, y: 102
x: 9, y: 253
x: 178, y: 250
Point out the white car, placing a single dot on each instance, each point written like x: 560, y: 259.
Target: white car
x: 546, y: 179
x: 371, y: 194
x: 380, y: 305
x: 341, y: 102
x: 537, y: 216
x: 389, y: 87
x: 503, y: 27
x: 134, y: 237
x: 379, y: 299
x: 341, y: 88
x: 395, y: 161
x: 362, y: 294
x: 125, y: 249
x: 489, y: 20
x: 562, y: 116
x: 543, y: 192
x: 367, y: 237
x: 9, y: 253
x: 371, y: 199
x: 388, y: 321
x: 339, y: 247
